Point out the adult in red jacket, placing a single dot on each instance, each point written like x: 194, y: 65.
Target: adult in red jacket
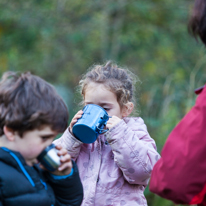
x: 180, y: 174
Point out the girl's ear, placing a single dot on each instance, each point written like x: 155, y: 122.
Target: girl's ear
x: 127, y: 109
x: 9, y: 133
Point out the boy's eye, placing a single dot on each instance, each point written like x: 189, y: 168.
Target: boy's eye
x: 45, y: 138
x: 107, y: 109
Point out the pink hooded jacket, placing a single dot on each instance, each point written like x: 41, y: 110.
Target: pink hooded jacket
x: 116, y: 168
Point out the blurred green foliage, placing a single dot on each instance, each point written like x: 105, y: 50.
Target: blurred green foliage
x: 59, y: 40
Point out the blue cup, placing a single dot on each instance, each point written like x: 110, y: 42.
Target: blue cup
x: 91, y: 124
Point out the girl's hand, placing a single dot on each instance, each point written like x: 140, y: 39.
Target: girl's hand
x: 74, y: 120
x: 112, y: 122
x: 66, y: 162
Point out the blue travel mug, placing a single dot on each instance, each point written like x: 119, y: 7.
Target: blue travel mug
x: 91, y: 124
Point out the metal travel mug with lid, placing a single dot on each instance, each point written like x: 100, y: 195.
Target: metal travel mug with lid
x: 49, y: 158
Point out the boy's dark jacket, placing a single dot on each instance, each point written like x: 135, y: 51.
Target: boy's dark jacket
x: 23, y: 185
x: 180, y: 174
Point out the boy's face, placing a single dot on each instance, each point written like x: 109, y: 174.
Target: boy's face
x: 32, y: 143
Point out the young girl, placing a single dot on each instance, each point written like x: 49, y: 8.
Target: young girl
x: 116, y: 168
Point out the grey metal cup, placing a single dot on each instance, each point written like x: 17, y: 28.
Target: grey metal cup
x: 49, y: 158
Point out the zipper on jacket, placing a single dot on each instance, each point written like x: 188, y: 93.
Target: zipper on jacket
x: 44, y: 183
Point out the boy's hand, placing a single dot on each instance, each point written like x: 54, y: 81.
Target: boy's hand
x: 66, y: 166
x: 112, y: 122
x: 74, y: 120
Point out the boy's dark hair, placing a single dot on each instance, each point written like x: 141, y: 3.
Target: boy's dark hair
x: 27, y: 102
x: 197, y: 23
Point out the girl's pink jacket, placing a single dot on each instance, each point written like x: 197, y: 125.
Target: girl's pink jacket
x: 116, y: 168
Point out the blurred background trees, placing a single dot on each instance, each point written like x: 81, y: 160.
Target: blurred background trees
x: 59, y: 40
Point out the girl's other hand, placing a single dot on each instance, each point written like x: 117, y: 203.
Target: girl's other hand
x: 66, y: 162
x: 112, y: 122
x: 74, y: 120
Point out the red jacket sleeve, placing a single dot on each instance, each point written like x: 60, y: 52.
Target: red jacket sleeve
x: 180, y: 174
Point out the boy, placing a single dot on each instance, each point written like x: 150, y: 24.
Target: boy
x: 31, y: 115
